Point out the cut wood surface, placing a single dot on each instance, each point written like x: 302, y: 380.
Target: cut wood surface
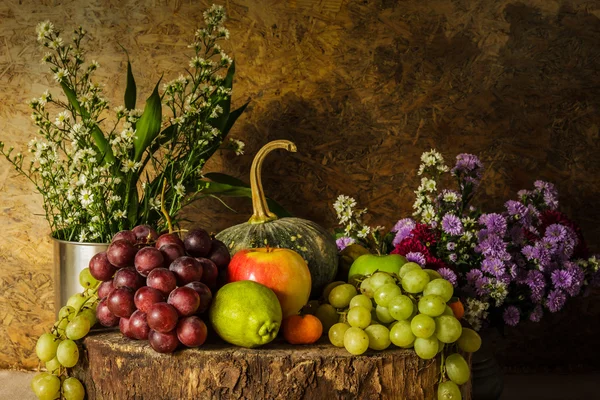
x: 114, y: 367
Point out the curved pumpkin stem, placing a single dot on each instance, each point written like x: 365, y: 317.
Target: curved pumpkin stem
x: 261, y: 212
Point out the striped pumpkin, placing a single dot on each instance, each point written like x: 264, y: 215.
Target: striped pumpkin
x: 264, y: 229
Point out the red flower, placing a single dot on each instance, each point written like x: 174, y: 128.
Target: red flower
x: 424, y: 234
x: 410, y: 245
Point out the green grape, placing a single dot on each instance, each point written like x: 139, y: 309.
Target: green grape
x: 356, y: 341
x: 457, y: 369
x: 90, y: 315
x: 53, y: 366
x: 45, y: 386
x: 406, y: 268
x: 448, y: 391
x: 86, y: 280
x: 383, y: 315
x: 423, y: 326
x: 366, y: 288
x: 379, y: 279
x: 448, y: 311
x: 72, y: 389
x: 426, y: 348
x: 66, y: 312
x: 415, y: 281
x: 401, y: 334
x: 336, y: 334
x: 328, y: 316
x: 67, y: 353
x: 330, y: 287
x: 441, y: 287
x: 401, y: 307
x: 385, y: 293
x: 361, y: 301
x: 78, y: 328
x: 77, y: 300
x: 359, y: 317
x: 432, y: 274
x: 379, y: 337
x: 340, y: 296
x: 469, y: 340
x: 447, y: 329
x: 46, y: 347
x: 432, y: 305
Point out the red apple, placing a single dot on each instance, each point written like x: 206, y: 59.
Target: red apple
x: 282, y: 270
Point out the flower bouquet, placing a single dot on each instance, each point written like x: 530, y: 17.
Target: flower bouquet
x: 506, y: 267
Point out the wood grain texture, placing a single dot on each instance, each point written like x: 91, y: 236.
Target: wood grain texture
x: 117, y: 367
x: 362, y: 87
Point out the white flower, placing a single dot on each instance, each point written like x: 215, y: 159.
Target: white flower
x: 130, y: 165
x: 56, y: 43
x: 86, y: 197
x: 218, y: 110
x: 224, y: 32
x: 95, y: 219
x: 46, y: 96
x: 238, y: 146
x: 61, y: 118
x: 82, y: 180
x: 428, y: 185
x: 60, y: 75
x: 450, y: 197
x: 179, y: 189
x: 43, y: 29
x: 119, y: 214
x: 83, y: 235
x: 428, y: 213
x: 154, y: 203
x: 364, y: 231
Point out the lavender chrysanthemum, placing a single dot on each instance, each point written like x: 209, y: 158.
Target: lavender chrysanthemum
x: 482, y: 286
x: 511, y: 316
x: 556, y: 233
x: 519, y: 212
x: 537, y: 284
x: 403, y: 229
x: 344, y: 242
x: 468, y: 164
x: 561, y: 279
x: 577, y: 278
x: 495, y: 223
x: 448, y: 275
x: 549, y: 193
x: 493, y: 246
x: 416, y: 257
x: 536, y: 314
x: 452, y: 225
x: 473, y: 275
x: 556, y: 300
x: 493, y: 266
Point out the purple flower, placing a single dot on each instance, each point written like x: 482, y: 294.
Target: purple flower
x: 518, y: 211
x: 542, y: 253
x: 481, y: 286
x: 451, y: 246
x: 451, y: 224
x: 556, y: 300
x: 527, y: 251
x: 493, y: 266
x: 473, y: 275
x: 416, y: 257
x: 561, y: 279
x: 537, y: 313
x: 577, y: 278
x: 453, y: 257
x: 344, y: 242
x: 448, y: 275
x: 549, y: 193
x: 556, y: 233
x: 516, y: 235
x: 495, y: 223
x: 470, y: 165
x: 493, y: 246
x: 511, y: 316
x: 403, y: 229
x: 537, y: 284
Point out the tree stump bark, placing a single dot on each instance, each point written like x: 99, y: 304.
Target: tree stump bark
x: 114, y: 367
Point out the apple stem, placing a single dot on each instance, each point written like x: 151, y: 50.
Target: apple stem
x: 261, y: 212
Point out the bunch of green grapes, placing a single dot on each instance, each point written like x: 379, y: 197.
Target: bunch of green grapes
x: 408, y: 311
x: 58, y: 350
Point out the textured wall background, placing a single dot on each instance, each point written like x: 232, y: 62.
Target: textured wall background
x: 363, y: 88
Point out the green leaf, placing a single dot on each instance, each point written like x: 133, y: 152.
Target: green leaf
x: 70, y: 93
x: 226, y: 179
x: 102, y: 144
x: 148, y: 126
x: 243, y: 190
x: 233, y: 116
x: 130, y: 90
x: 221, y: 121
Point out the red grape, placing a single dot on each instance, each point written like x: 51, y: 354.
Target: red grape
x: 121, y: 253
x: 162, y: 280
x: 145, y: 234
x: 219, y: 254
x: 120, y: 302
x: 105, y: 316
x: 125, y: 328
x: 191, y: 331
x: 169, y: 238
x: 185, y: 300
x: 146, y: 296
x: 128, y: 277
x: 101, y: 268
x: 171, y: 252
x: 197, y: 243
x: 163, y: 342
x: 105, y: 288
x: 138, y: 326
x: 147, y: 259
x: 209, y: 272
x: 204, y: 293
x: 128, y: 236
x: 162, y: 317
x: 186, y: 270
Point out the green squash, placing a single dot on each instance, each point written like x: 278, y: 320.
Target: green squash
x: 311, y: 241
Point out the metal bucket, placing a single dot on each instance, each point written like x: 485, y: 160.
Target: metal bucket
x: 69, y: 259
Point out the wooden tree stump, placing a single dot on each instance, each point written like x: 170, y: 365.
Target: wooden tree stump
x: 114, y: 367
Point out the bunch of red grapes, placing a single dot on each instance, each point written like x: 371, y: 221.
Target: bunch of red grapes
x: 158, y: 287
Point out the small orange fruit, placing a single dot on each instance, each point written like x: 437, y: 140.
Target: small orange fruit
x: 302, y: 329
x: 457, y: 308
